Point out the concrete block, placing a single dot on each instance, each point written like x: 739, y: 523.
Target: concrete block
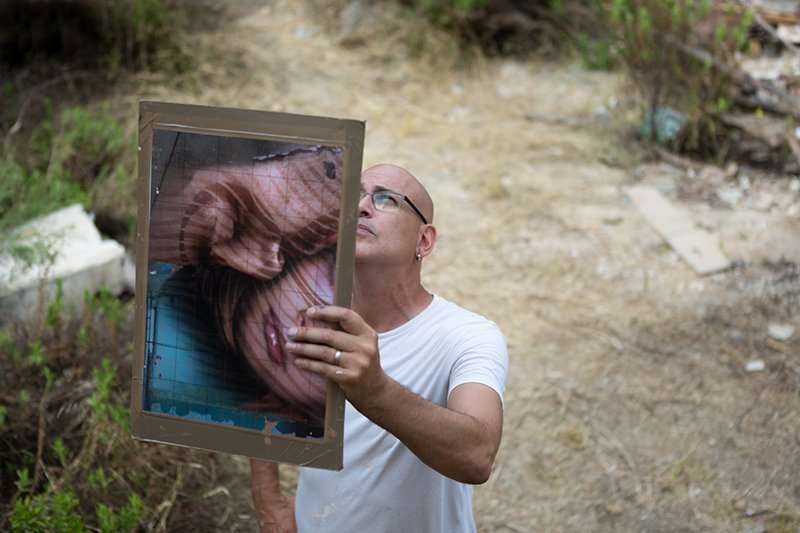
x: 64, y: 245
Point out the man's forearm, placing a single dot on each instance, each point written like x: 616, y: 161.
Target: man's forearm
x: 454, y: 444
x: 275, y: 512
x: 265, y: 479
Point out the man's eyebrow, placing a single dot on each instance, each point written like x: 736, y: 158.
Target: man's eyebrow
x: 378, y: 188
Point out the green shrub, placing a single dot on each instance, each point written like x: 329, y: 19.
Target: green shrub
x: 125, y: 520
x: 69, y: 159
x: 677, y: 53
x: 47, y: 513
x: 59, y: 512
x: 26, y: 194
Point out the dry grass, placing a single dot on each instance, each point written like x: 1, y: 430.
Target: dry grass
x: 627, y: 407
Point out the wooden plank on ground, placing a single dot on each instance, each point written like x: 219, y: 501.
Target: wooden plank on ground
x: 696, y: 246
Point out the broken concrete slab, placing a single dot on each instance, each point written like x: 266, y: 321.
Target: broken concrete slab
x: 780, y: 332
x: 696, y: 246
x: 64, y: 245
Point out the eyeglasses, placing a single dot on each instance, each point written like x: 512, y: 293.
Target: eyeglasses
x: 384, y: 200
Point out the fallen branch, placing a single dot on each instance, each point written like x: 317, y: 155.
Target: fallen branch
x: 767, y: 27
x: 34, y: 93
x: 785, y: 104
x: 165, y: 508
x: 42, y: 430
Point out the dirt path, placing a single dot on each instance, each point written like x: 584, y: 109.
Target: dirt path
x: 628, y: 406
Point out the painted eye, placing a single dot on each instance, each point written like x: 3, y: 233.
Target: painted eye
x: 330, y: 169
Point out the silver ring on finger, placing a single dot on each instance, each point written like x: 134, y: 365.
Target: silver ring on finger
x: 337, y: 358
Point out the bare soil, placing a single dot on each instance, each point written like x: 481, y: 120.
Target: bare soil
x: 628, y: 405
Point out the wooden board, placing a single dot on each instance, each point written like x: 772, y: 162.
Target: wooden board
x: 696, y: 246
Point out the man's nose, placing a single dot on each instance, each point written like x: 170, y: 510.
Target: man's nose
x: 365, y: 206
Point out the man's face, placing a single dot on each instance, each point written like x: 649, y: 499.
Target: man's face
x: 386, y: 236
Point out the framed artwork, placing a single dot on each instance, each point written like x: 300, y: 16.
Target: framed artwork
x: 246, y: 219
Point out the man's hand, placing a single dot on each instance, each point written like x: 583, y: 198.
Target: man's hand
x: 359, y: 372
x: 275, y: 512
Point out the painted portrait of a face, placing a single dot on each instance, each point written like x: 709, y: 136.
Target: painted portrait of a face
x: 242, y: 241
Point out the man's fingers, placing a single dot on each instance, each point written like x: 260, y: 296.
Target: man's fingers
x: 350, y: 321
x: 313, y: 351
x: 332, y: 372
x: 338, y: 340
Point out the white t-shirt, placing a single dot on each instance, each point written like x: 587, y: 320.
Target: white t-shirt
x: 383, y: 487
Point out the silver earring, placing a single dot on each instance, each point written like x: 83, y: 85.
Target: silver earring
x: 419, y: 256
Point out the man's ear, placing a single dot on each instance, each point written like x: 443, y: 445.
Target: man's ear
x: 427, y: 240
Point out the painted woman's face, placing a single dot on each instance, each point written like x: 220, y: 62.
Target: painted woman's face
x: 276, y: 221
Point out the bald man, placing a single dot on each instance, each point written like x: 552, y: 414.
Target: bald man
x: 423, y: 377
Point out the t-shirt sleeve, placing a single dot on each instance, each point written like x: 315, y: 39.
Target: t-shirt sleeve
x: 482, y: 357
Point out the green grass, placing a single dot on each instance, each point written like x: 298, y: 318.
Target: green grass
x: 72, y: 157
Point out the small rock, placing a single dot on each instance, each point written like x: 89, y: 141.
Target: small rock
x: 780, y: 332
x: 601, y: 111
x: 666, y: 121
x: 794, y: 185
x: 744, y: 182
x: 756, y: 365
x: 729, y: 195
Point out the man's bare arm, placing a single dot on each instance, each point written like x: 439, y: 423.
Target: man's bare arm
x: 275, y: 512
x: 459, y: 441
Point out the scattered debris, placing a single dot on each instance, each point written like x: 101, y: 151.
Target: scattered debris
x: 780, y: 332
x: 729, y: 195
x: 756, y: 365
x: 789, y: 34
x: 696, y: 246
x: 666, y: 122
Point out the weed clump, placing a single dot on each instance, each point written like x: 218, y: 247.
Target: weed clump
x: 680, y: 55
x: 68, y: 461
x: 75, y: 156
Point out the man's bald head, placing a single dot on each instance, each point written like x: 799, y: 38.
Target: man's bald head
x: 401, y: 180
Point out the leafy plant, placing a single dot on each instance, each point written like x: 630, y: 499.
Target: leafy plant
x: 98, y: 480
x: 23, y: 482
x: 56, y: 308
x: 61, y: 451
x: 47, y: 513
x: 36, y: 353
x: 126, y: 519
x: 677, y: 53
x: 28, y: 193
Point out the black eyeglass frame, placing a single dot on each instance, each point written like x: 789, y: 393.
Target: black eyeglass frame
x: 399, y: 195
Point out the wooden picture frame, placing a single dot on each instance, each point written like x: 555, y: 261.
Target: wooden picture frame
x: 246, y: 218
